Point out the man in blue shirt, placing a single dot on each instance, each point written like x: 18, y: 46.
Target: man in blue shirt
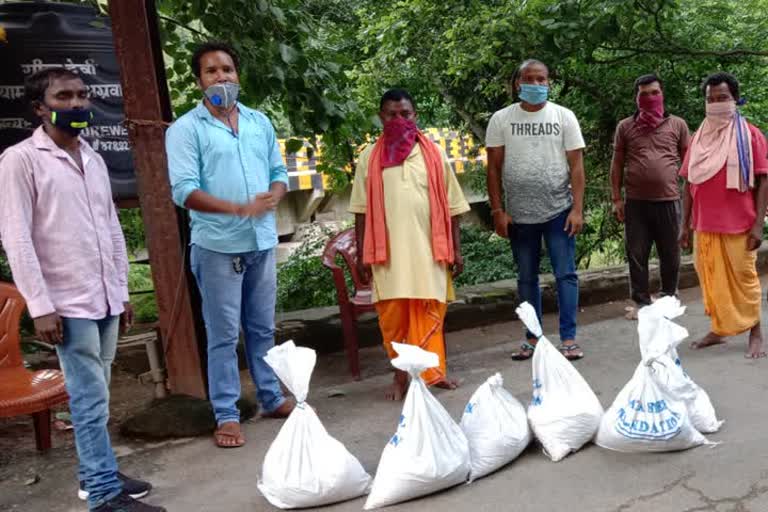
x: 225, y: 166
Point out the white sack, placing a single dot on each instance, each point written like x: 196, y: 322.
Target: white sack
x: 496, y: 427
x: 660, y: 335
x: 564, y: 412
x: 305, y: 466
x: 429, y: 452
x: 646, y: 416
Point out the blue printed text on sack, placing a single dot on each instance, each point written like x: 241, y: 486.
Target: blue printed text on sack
x: 653, y: 421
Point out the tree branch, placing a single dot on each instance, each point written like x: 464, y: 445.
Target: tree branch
x: 181, y: 25
x: 679, y: 51
x: 477, y: 128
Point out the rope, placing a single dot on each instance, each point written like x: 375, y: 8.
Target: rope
x: 145, y: 122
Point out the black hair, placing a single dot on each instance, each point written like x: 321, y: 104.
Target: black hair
x: 213, y: 46
x: 525, y: 64
x: 722, y: 78
x: 36, y: 84
x: 396, y: 95
x: 647, y: 80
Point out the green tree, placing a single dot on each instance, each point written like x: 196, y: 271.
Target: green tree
x: 464, y: 53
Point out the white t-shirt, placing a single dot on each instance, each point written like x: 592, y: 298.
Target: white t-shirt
x: 536, y: 174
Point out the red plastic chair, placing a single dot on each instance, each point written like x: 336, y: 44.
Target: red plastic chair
x: 350, y: 305
x: 23, y: 391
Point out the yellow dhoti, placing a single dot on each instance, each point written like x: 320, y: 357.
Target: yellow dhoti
x: 729, y: 282
x: 416, y: 322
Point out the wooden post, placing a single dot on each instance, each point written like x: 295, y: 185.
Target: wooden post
x: 147, y: 111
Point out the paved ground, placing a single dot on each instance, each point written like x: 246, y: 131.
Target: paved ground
x: 192, y: 475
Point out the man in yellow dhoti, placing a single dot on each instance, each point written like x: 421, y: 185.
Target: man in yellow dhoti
x: 725, y: 201
x: 406, y: 202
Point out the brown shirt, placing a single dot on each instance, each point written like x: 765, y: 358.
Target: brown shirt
x: 651, y: 160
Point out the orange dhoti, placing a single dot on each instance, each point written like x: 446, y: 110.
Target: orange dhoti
x: 729, y: 281
x: 416, y: 322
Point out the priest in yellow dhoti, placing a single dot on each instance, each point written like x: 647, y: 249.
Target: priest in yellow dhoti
x: 406, y: 200
x: 725, y: 199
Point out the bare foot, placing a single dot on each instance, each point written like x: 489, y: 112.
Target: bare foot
x: 755, y: 346
x: 399, y: 386
x: 707, y: 341
x: 447, y: 383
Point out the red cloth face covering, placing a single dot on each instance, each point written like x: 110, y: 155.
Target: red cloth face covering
x: 650, y: 112
x: 399, y: 138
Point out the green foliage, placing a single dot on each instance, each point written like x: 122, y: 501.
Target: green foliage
x: 474, y: 177
x: 302, y: 281
x: 487, y: 257
x: 467, y: 51
x: 133, y: 229
x: 292, y: 66
x: 318, y: 68
x: 144, y: 305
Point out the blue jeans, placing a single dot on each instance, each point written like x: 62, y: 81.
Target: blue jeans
x: 86, y: 356
x: 238, y: 290
x: 526, y: 248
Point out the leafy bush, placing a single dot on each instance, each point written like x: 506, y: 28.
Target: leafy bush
x: 133, y: 229
x: 487, y: 257
x: 144, y: 305
x: 302, y: 281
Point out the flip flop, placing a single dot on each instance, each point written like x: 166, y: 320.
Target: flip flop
x: 220, y: 435
x: 525, y: 352
x: 567, y: 351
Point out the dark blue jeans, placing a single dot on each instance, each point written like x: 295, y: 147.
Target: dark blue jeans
x: 526, y: 248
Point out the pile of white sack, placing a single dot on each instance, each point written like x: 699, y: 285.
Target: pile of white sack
x: 660, y: 408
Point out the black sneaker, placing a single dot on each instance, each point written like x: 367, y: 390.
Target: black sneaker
x: 136, y: 489
x: 124, y: 503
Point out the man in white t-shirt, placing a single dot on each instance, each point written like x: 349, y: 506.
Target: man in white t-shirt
x: 535, y: 148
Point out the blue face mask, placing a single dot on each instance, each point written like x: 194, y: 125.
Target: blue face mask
x: 533, y: 94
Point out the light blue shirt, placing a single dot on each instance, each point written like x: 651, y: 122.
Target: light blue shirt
x: 204, y: 154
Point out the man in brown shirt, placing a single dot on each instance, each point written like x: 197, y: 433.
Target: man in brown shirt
x: 648, y: 149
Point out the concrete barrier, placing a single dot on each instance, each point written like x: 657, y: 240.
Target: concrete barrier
x: 478, y: 305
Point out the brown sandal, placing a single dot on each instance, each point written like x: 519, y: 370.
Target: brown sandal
x: 229, y: 435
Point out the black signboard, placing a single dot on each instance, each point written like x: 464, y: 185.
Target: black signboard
x: 40, y: 35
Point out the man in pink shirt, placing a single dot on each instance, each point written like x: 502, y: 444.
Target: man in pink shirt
x: 59, y: 228
x: 725, y: 200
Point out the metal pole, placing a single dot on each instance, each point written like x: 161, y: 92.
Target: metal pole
x: 148, y: 111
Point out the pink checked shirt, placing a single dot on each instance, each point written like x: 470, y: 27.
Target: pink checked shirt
x: 60, y: 230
